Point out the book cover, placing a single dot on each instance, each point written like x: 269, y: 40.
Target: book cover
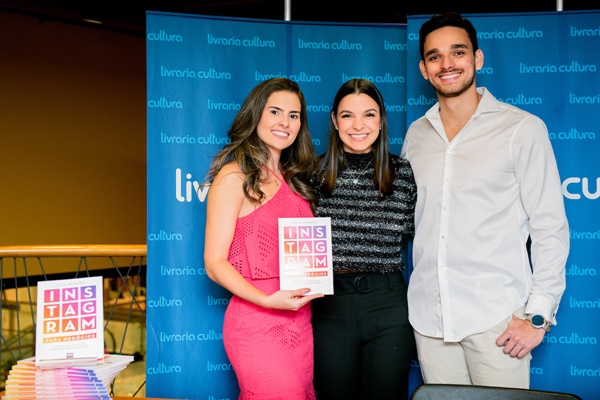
x: 305, y: 254
x: 69, y: 326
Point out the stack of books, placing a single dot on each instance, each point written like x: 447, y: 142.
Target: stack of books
x: 64, y: 379
x: 70, y: 362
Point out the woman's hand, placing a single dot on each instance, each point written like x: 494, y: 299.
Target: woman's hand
x: 289, y: 299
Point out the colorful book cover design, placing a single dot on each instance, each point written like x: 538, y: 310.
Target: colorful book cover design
x: 90, y: 380
x: 70, y: 315
x: 305, y: 254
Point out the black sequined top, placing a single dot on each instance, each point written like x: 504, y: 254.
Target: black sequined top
x: 367, y: 233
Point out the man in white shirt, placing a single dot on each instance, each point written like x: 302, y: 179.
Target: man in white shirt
x: 487, y: 180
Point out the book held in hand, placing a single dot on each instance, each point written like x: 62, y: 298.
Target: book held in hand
x: 305, y: 254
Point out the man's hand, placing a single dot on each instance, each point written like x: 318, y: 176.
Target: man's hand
x: 520, y: 337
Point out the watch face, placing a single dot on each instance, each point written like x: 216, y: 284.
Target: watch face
x: 537, y: 320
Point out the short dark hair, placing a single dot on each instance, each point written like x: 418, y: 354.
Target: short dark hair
x: 447, y: 19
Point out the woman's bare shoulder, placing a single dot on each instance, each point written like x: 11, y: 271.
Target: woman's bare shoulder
x: 230, y: 174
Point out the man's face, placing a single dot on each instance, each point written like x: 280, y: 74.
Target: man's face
x: 450, y: 62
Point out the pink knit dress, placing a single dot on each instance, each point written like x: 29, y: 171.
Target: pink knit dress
x: 271, y: 351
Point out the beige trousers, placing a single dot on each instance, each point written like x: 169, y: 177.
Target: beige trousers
x: 475, y: 360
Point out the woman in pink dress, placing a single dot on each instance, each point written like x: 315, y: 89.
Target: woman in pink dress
x: 262, y: 175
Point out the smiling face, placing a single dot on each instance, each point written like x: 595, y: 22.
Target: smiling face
x: 358, y: 122
x: 450, y: 62
x: 280, y: 121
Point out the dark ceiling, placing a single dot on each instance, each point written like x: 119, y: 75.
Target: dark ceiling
x: 129, y: 16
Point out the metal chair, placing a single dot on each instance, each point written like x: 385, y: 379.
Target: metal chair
x: 473, y: 392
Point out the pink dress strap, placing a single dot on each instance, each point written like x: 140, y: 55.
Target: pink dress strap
x: 273, y: 173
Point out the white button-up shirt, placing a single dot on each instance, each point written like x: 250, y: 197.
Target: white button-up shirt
x: 479, y: 197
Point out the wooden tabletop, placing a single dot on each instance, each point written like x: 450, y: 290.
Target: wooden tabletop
x: 140, y: 398
x: 125, y: 398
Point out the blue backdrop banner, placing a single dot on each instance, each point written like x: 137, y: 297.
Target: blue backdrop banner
x: 199, y: 70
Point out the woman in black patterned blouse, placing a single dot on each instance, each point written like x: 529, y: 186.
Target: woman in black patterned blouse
x: 364, y: 343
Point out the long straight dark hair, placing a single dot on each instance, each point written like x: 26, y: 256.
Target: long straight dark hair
x: 333, y: 162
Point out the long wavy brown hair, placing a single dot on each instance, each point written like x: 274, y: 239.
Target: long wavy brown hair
x: 298, y: 161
